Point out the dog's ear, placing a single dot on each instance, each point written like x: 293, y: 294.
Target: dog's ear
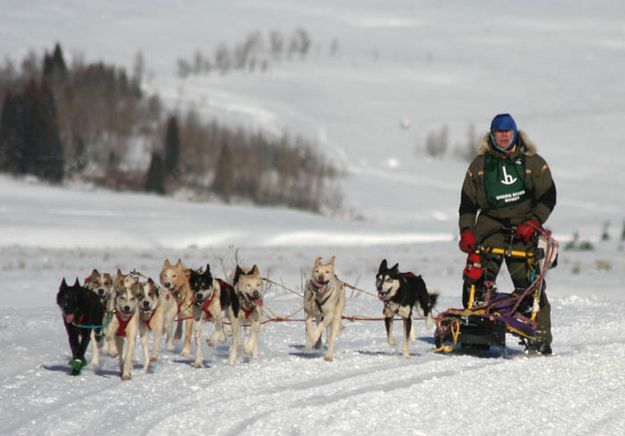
x: 94, y: 272
x: 383, y: 266
x: 119, y: 273
x: 395, y: 267
x: 188, y: 272
x: 63, y: 284
x: 76, y: 283
x: 166, y: 264
x: 208, y: 269
x: 237, y: 274
x: 255, y: 271
x: 317, y: 261
x: 179, y: 263
x: 331, y: 262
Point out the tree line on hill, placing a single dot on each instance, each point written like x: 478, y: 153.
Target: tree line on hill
x: 83, y: 121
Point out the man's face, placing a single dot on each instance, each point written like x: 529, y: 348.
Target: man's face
x: 503, y: 138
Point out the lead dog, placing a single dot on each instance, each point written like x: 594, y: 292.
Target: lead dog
x: 249, y: 289
x: 211, y: 299
x: 324, y: 302
x: 124, y: 325
x: 102, y: 285
x: 400, y: 292
x: 175, y: 279
x: 82, y: 316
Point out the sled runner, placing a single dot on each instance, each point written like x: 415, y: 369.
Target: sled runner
x: 488, y: 314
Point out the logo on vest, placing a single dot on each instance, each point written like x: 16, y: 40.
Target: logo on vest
x: 507, y: 179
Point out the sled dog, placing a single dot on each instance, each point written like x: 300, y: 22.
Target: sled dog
x: 400, y: 292
x: 175, y: 280
x: 102, y: 285
x: 324, y: 302
x: 249, y: 290
x: 212, y: 298
x: 82, y: 317
x: 151, y: 306
x: 125, y: 323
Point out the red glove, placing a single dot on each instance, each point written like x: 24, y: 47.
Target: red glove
x: 526, y: 229
x: 467, y: 241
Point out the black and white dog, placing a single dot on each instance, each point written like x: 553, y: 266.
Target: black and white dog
x: 82, y: 315
x: 400, y: 292
x: 212, y: 299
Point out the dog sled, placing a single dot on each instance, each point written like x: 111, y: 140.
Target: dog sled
x: 487, y: 314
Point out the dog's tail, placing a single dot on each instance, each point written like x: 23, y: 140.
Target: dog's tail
x: 432, y: 299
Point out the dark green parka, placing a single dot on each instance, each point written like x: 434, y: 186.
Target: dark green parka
x: 478, y: 210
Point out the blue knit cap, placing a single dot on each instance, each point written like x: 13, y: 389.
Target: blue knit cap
x: 503, y: 122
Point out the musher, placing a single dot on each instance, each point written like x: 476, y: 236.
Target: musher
x: 508, y: 184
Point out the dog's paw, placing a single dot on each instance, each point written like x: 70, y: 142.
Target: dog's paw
x: 197, y: 364
x: 212, y: 341
x: 126, y: 377
x: 392, y: 341
x: 328, y: 358
x: 248, y: 348
x: 185, y: 353
x: 153, y: 359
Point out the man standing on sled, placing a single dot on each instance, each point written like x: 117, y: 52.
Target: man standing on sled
x: 508, y: 185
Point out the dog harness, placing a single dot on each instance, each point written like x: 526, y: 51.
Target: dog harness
x: 123, y: 323
x: 207, y: 304
x: 149, y: 320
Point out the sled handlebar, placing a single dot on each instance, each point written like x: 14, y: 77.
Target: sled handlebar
x: 510, y: 234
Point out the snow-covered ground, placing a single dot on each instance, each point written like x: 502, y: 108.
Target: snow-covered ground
x: 556, y: 66
x: 369, y: 388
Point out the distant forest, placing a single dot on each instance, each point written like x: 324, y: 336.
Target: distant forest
x: 82, y: 121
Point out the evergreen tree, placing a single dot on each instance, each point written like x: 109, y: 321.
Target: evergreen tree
x: 12, y: 135
x: 54, y: 67
x: 172, y: 145
x: 43, y: 152
x: 223, y: 184
x: 155, y: 180
x: 29, y: 134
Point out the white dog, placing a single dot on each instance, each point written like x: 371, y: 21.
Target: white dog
x: 249, y: 289
x: 151, y: 305
x: 102, y: 285
x: 324, y: 301
x: 125, y: 323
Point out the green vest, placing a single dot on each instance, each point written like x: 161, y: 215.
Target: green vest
x: 504, y: 181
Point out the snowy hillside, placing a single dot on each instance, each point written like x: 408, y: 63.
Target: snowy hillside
x: 401, y: 70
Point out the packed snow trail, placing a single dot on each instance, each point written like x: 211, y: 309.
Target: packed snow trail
x: 368, y: 388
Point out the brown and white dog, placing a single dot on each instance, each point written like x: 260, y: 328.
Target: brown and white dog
x: 324, y: 302
x: 151, y: 307
x: 249, y: 290
x: 125, y: 323
x: 102, y: 285
x: 212, y: 298
x: 175, y: 279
